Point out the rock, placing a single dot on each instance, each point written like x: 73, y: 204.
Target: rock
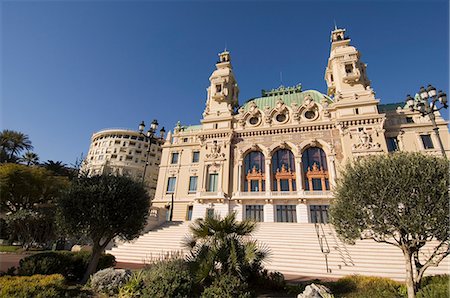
x: 77, y: 248
x: 316, y: 291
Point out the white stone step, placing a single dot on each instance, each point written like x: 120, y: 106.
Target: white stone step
x: 294, y: 250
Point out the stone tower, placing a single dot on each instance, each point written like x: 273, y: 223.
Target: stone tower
x: 222, y: 98
x: 346, y: 73
x: 354, y: 99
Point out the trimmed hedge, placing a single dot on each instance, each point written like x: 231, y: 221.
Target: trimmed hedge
x: 38, y: 286
x: 71, y: 265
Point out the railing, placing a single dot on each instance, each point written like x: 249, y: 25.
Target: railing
x: 297, y: 194
x: 322, y: 193
x: 323, y: 243
x: 251, y: 193
x: 343, y: 252
x: 211, y: 194
x: 283, y: 193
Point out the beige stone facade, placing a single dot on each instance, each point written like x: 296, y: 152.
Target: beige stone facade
x: 124, y: 152
x: 275, y: 158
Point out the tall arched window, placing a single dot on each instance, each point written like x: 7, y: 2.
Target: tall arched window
x: 254, y: 172
x: 315, y: 169
x: 283, y: 171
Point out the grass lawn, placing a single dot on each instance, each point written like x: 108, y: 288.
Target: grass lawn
x: 9, y: 248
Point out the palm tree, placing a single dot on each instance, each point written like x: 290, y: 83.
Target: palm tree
x: 11, y: 144
x: 223, y: 247
x: 57, y: 167
x: 30, y: 158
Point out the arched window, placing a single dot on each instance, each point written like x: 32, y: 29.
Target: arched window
x: 315, y: 169
x: 254, y: 172
x: 283, y: 171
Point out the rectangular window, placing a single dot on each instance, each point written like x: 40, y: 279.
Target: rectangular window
x: 409, y: 120
x: 195, y: 156
x: 192, y: 184
x: 348, y: 68
x: 212, y: 182
x: 189, y: 212
x: 210, y: 212
x: 254, y: 212
x: 286, y: 213
x: 218, y: 88
x: 317, y: 184
x: 427, y: 142
x: 392, y: 144
x: 171, y: 184
x: 174, y: 159
x: 319, y: 213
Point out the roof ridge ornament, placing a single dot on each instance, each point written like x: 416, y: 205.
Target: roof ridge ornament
x: 282, y: 90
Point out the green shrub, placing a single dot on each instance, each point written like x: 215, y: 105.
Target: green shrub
x: 170, y: 278
x: 44, y: 263
x: 227, y: 286
x: 434, y: 291
x: 108, y: 281
x: 38, y: 286
x: 71, y: 265
x: 434, y: 286
x: 134, y: 286
x: 357, y: 286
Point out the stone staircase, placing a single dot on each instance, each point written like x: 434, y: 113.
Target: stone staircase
x: 294, y: 250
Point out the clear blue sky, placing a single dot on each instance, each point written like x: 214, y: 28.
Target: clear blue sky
x: 71, y: 68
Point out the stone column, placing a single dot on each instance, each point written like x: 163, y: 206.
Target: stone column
x: 267, y: 173
x: 204, y: 178
x: 298, y: 173
x: 302, y: 211
x: 332, y: 170
x: 219, y: 178
x: 239, y: 176
x: 269, y: 211
x: 239, y: 209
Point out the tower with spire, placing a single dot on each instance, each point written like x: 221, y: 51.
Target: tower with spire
x: 222, y: 93
x: 345, y: 73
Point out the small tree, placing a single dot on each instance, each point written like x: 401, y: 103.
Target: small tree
x: 27, y: 196
x: 102, y: 208
x: 400, y: 199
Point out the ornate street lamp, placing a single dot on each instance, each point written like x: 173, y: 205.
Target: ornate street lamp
x: 427, y: 105
x: 148, y: 138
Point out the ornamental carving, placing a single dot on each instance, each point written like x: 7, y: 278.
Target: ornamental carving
x: 280, y: 107
x: 255, y: 175
x: 315, y: 172
x: 214, y: 151
x: 267, y: 116
x: 365, y: 142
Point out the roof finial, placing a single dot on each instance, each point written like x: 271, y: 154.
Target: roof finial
x: 281, y: 78
x: 225, y: 46
x: 335, y: 26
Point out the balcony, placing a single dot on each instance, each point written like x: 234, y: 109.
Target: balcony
x: 210, y: 195
x: 316, y: 194
x: 301, y: 194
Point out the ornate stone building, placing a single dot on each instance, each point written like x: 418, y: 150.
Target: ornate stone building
x: 276, y: 157
x: 124, y: 152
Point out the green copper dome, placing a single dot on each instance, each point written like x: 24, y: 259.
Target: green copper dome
x: 289, y: 95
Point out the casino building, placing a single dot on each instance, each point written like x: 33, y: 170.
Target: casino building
x: 275, y: 158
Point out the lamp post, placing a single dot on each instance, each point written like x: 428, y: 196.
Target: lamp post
x: 427, y: 105
x: 148, y: 138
